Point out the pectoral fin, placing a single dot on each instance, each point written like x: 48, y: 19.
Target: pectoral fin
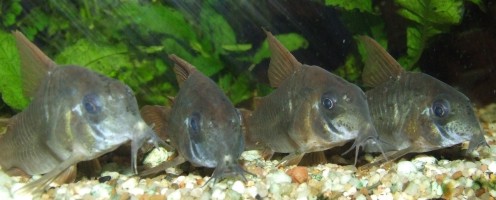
x: 291, y: 159
x: 37, y: 187
x: 313, y: 158
x: 157, y: 117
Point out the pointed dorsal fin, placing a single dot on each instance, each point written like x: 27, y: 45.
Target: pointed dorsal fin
x: 379, y: 65
x: 282, y: 63
x: 35, y: 65
x: 182, y: 68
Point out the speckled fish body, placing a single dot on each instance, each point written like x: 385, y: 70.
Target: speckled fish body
x: 203, y: 125
x: 75, y: 115
x: 311, y: 110
x: 414, y: 112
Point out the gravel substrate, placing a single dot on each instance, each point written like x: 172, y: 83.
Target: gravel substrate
x: 420, y: 177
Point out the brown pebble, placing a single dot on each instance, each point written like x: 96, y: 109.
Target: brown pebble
x: 457, y: 175
x: 298, y: 174
x: 439, y: 178
x: 483, y: 167
x: 480, y: 192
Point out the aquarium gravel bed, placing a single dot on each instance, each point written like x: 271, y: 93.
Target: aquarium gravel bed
x: 421, y: 176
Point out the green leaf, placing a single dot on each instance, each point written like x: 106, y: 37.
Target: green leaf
x: 430, y: 18
x: 106, y: 59
x: 361, y: 5
x: 350, y: 70
x: 217, y: 32
x: 237, y: 89
x: 156, y: 18
x: 291, y: 41
x: 11, y: 83
x: 237, y: 47
x: 432, y: 12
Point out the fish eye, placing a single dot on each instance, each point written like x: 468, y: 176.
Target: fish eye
x: 194, y: 123
x: 327, y: 101
x: 440, y: 108
x: 92, y: 103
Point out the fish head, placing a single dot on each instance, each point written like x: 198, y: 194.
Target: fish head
x: 338, y: 110
x: 448, y: 116
x: 103, y: 112
x: 205, y: 126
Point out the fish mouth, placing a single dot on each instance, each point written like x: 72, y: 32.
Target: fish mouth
x: 228, y: 168
x: 366, y: 134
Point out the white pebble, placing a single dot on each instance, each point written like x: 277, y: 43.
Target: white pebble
x: 251, y: 155
x: 238, y: 187
x: 156, y: 156
x: 176, y: 195
x: 129, y: 184
x: 405, y: 168
x: 492, y: 167
x: 218, y: 194
x: 113, y: 175
x: 252, y: 191
x: 278, y: 177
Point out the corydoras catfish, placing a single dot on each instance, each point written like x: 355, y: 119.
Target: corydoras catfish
x: 74, y: 115
x: 311, y: 110
x: 202, y: 125
x: 412, y: 111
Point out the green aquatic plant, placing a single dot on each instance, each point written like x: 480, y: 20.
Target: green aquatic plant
x: 130, y: 41
x: 426, y: 19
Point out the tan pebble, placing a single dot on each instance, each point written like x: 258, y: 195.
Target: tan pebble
x: 457, y: 175
x: 124, y: 196
x: 364, y: 191
x: 298, y: 174
x: 156, y: 197
x: 439, y: 178
x: 480, y: 192
x: 199, y: 181
x: 483, y: 167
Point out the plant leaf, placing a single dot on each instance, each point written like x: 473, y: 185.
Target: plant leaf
x: 11, y: 83
x: 361, y: 5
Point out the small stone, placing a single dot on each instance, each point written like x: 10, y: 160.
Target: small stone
x: 238, y: 187
x: 156, y: 156
x: 457, y: 175
x: 492, y: 167
x: 104, y: 179
x: 298, y: 174
x: 176, y: 195
x: 405, y: 168
x: 251, y: 155
x: 278, y: 177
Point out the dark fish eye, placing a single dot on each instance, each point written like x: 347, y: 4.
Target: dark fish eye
x: 194, y: 123
x: 92, y: 103
x: 440, y: 108
x: 327, y: 102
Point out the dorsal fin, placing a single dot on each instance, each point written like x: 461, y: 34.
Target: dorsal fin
x: 379, y: 65
x: 282, y: 63
x: 182, y: 69
x: 35, y: 65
